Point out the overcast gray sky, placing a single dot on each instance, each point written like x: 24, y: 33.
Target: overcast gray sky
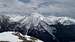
x: 45, y: 7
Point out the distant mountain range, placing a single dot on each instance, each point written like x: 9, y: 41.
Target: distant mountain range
x: 57, y: 27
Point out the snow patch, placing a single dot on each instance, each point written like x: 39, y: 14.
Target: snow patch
x: 8, y: 36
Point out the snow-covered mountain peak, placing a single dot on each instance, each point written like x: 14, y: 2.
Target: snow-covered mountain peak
x: 66, y: 20
x: 39, y: 20
x: 35, y: 18
x: 16, y: 18
x: 62, y: 20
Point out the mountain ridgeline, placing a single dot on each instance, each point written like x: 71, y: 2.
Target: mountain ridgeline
x: 48, y: 29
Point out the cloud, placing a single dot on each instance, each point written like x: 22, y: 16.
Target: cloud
x: 69, y: 8
x: 14, y: 7
x: 51, y: 7
x: 21, y: 7
x: 45, y: 7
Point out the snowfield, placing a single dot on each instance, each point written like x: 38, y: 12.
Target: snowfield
x: 8, y: 36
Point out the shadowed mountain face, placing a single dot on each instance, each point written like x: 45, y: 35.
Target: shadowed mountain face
x: 65, y: 33
x: 48, y: 29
